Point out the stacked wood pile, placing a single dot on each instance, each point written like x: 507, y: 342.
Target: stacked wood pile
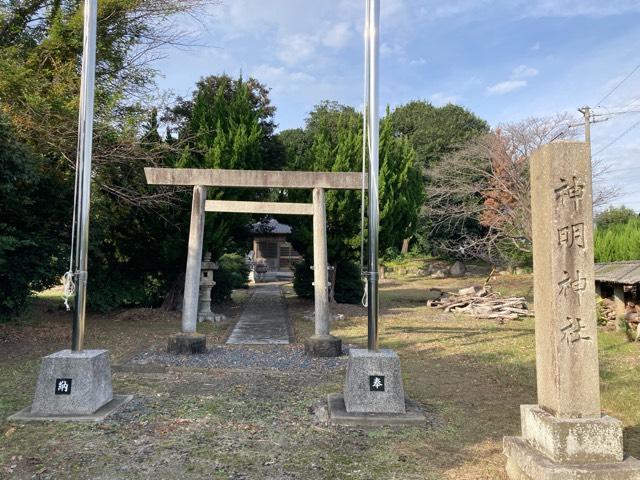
x: 632, y: 314
x: 608, y: 312
x: 482, y: 303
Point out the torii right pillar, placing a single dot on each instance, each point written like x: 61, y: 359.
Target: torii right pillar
x: 565, y: 436
x: 322, y: 343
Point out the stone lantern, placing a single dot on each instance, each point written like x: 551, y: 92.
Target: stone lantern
x: 205, y: 314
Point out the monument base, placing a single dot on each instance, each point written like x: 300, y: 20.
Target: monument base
x: 524, y: 462
x: 338, y: 415
x: 73, y: 383
x: 572, y: 440
x: 374, y: 382
x: 553, y: 448
x: 323, y: 346
x: 187, y: 343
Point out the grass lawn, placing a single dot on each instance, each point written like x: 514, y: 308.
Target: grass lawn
x: 251, y: 424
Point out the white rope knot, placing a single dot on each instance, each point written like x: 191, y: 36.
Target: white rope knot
x: 365, y: 296
x: 68, y: 288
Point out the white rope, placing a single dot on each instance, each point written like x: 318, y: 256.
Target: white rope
x: 365, y: 295
x: 68, y: 279
x: 69, y: 288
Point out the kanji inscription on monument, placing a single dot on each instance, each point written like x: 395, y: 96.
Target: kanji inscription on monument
x: 63, y: 386
x: 376, y: 383
x: 564, y: 288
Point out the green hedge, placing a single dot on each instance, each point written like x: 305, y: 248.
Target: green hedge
x: 349, y: 285
x: 618, y: 242
x: 233, y: 272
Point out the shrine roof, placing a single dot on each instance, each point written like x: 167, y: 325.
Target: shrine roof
x: 272, y: 227
x: 622, y: 273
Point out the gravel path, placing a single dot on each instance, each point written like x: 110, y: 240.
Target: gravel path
x: 282, y: 358
x: 264, y: 320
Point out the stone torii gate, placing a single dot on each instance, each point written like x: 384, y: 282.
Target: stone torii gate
x: 189, y: 341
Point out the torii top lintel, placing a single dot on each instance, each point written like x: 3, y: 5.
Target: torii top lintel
x: 253, y: 178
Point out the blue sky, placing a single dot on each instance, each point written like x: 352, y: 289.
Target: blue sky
x: 505, y: 60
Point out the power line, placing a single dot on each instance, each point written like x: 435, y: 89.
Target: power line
x: 621, y: 112
x: 637, y: 67
x: 620, y: 202
x: 617, y: 138
x: 621, y: 169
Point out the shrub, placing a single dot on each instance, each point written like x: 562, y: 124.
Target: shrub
x: 614, y: 216
x: 233, y: 272
x: 33, y: 223
x: 302, y: 280
x: 349, y: 285
x: 618, y: 242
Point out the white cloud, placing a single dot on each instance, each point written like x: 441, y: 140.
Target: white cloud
x: 535, y: 47
x: 281, y: 79
x: 516, y: 81
x: 508, y: 86
x: 392, y: 50
x: 453, y: 8
x: 339, y: 36
x: 578, y: 8
x: 417, y: 62
x: 294, y: 49
x: 522, y: 71
x: 473, y: 9
x: 440, y: 98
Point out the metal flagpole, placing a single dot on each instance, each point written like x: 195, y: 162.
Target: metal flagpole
x: 83, y: 171
x: 373, y: 22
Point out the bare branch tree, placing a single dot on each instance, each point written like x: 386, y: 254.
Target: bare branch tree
x: 485, y: 184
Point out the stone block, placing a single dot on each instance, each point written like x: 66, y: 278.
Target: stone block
x: 187, y: 343
x: 583, y: 440
x: 374, y: 382
x: 458, y: 269
x: 323, y: 346
x: 527, y: 463
x: 206, y: 317
x: 338, y: 415
x: 27, y: 416
x: 73, y: 383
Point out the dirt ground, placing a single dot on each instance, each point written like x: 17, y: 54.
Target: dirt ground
x: 266, y: 423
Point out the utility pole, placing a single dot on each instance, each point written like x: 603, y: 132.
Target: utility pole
x: 586, y: 112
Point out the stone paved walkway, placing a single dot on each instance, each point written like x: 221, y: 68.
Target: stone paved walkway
x: 264, y: 319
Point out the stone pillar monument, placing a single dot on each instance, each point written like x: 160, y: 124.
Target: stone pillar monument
x: 322, y: 344
x: 565, y: 436
x: 205, y: 314
x: 189, y: 341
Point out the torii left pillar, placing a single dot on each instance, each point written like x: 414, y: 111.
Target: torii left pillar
x: 189, y: 340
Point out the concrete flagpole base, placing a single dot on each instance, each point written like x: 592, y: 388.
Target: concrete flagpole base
x: 338, y: 415
x: 374, y: 382
x: 73, y: 386
x: 374, y: 393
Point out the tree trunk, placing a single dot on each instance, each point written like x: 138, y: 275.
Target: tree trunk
x: 173, y: 299
x: 332, y: 288
x: 405, y: 245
